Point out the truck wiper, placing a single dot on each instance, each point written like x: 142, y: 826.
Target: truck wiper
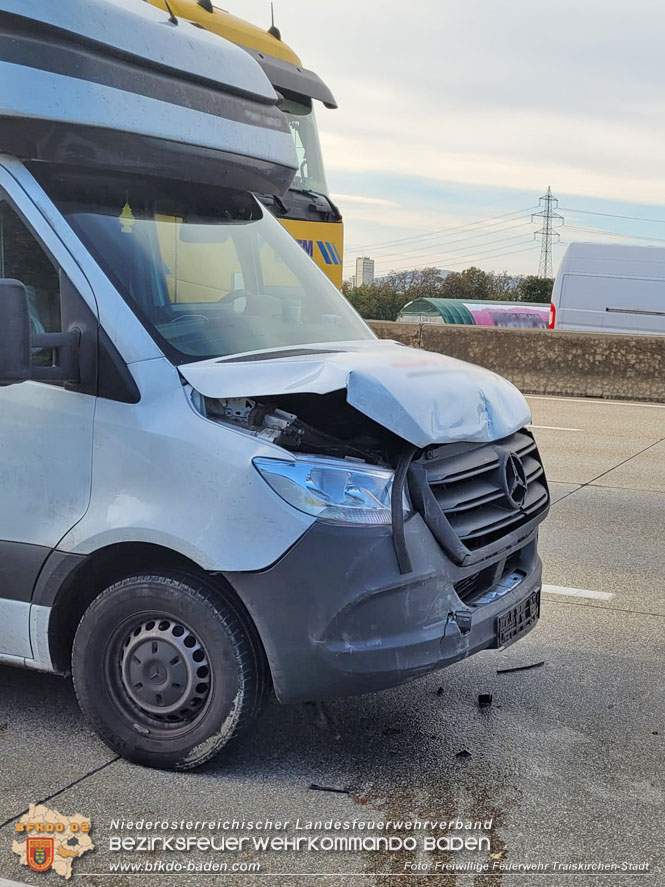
x: 279, y: 203
x: 309, y: 192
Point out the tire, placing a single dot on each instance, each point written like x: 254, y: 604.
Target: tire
x: 167, y: 670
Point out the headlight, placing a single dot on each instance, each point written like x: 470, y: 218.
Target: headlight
x: 332, y: 489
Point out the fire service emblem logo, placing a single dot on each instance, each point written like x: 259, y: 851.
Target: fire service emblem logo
x: 40, y: 853
x: 46, y: 840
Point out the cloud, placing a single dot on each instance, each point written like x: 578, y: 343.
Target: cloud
x: 482, y: 95
x: 359, y: 198
x: 507, y: 148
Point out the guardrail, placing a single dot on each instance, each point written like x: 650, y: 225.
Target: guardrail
x: 619, y: 367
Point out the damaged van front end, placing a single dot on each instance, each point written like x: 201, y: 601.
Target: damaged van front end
x: 427, y: 491
x: 216, y: 479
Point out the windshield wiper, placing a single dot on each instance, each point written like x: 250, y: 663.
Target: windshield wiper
x: 279, y: 203
x: 288, y: 351
x: 309, y: 192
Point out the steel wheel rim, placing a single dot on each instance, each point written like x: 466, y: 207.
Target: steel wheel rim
x: 163, y: 670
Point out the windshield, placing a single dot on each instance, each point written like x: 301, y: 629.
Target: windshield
x: 206, y: 269
x: 310, y: 175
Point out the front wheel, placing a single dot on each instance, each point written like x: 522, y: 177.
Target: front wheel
x: 167, y: 670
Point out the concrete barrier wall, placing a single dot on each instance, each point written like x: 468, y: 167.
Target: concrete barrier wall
x: 620, y: 367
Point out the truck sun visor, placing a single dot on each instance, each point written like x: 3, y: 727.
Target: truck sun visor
x: 115, y: 83
x: 287, y: 77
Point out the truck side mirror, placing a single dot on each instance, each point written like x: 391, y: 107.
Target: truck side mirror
x: 15, y: 355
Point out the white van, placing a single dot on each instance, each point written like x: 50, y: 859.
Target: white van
x: 606, y: 288
x: 214, y: 479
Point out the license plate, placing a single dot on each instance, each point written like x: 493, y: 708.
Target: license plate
x: 516, y: 622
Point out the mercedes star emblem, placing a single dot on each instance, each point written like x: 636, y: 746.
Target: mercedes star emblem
x: 514, y: 480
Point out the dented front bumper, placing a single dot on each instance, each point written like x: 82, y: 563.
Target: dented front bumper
x: 337, y: 618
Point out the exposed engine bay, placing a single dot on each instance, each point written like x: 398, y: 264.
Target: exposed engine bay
x: 370, y: 394
x: 323, y: 424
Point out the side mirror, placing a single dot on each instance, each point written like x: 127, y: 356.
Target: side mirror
x: 17, y: 342
x: 15, y: 355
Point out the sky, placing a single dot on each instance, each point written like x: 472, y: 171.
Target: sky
x: 458, y: 114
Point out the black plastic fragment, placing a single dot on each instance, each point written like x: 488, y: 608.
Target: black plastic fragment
x: 520, y: 667
x: 484, y: 700
x: 463, y: 754
x: 322, y: 719
x: 327, y: 788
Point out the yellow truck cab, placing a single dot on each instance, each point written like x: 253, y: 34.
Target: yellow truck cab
x: 306, y: 210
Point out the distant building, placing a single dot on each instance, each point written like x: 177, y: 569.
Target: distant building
x: 364, y: 271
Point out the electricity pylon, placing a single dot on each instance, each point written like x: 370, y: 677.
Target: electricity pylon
x: 547, y: 232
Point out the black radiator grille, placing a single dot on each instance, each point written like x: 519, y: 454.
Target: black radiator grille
x: 470, y: 487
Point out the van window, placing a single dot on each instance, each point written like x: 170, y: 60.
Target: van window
x: 207, y: 271
x: 22, y: 258
x: 193, y: 272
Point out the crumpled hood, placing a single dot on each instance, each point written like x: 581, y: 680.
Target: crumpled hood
x: 424, y: 398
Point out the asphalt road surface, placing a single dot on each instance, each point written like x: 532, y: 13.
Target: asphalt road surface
x: 568, y: 762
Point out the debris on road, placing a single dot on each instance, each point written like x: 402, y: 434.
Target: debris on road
x: 327, y: 788
x: 484, y: 700
x: 322, y: 719
x: 391, y: 731
x: 520, y: 667
x: 463, y: 754
x: 439, y: 692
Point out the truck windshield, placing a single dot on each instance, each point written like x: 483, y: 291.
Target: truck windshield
x: 208, y: 272
x: 310, y: 175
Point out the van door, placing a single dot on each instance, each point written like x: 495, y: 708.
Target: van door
x: 45, y: 427
x: 612, y: 304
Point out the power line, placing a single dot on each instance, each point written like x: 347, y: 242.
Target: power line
x: 442, y: 255
x: 471, y: 226
x: 500, y: 220
x: 441, y: 246
x: 481, y: 234
x: 439, y: 231
x: 481, y: 229
x: 379, y: 259
x: 464, y: 259
x: 615, y: 234
x: 588, y: 212
x: 501, y: 255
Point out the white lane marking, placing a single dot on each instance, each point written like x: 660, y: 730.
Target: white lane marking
x: 578, y: 592
x: 554, y: 428
x: 587, y: 400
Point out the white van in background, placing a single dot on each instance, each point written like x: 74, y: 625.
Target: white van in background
x: 611, y: 289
